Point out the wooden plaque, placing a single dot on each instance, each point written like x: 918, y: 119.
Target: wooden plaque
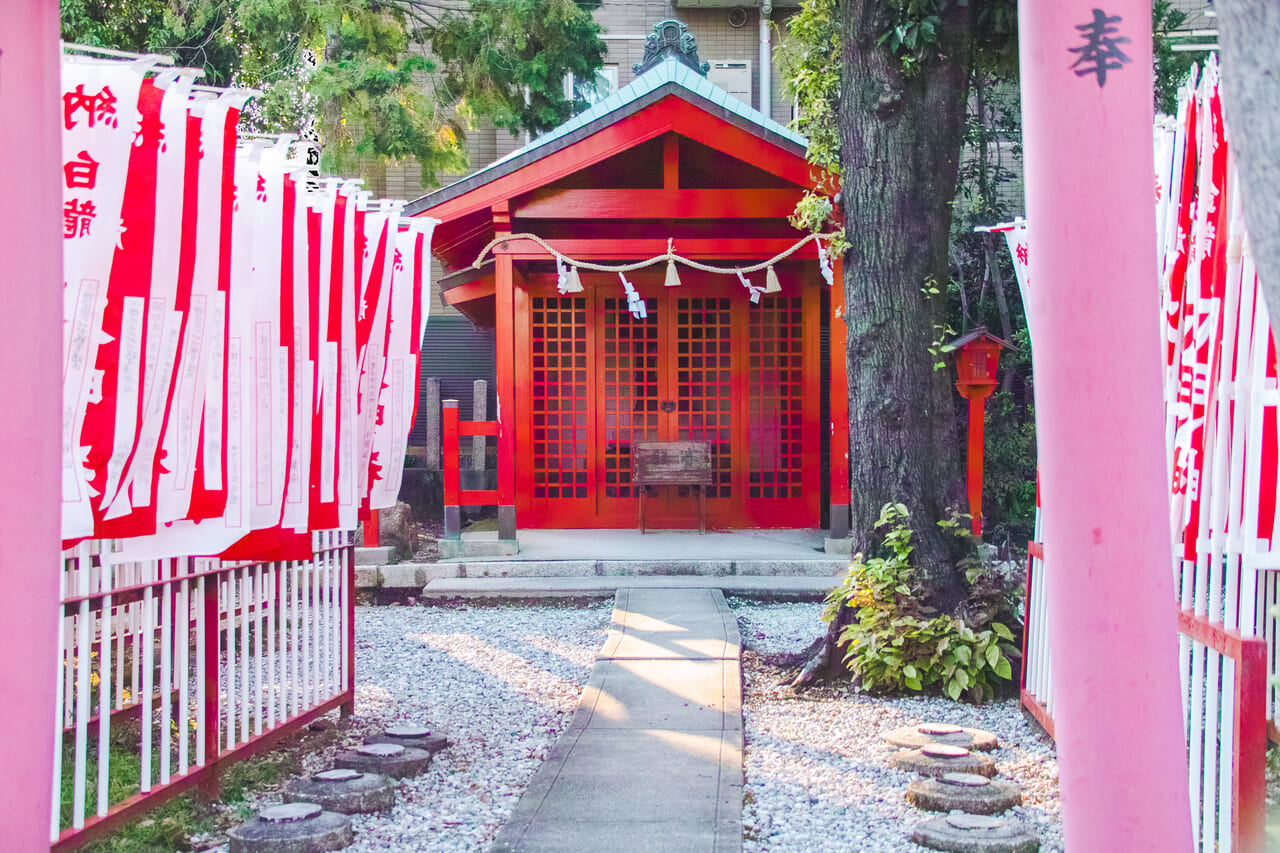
x: 671, y: 463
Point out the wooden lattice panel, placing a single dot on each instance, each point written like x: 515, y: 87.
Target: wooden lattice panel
x: 630, y: 389
x: 558, y: 338
x: 775, y: 362
x: 704, y: 382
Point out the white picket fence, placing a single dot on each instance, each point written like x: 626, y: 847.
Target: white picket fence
x: 202, y: 661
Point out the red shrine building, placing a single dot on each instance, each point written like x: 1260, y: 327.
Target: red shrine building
x: 668, y: 163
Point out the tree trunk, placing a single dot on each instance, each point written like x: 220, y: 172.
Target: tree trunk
x: 901, y: 138
x: 1248, y: 31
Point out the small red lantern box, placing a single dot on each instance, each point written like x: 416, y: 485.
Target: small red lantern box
x: 976, y: 363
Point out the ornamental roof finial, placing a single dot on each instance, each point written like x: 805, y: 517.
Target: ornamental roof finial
x: 670, y: 38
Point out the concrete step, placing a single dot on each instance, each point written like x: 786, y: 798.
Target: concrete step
x: 486, y: 544
x: 471, y: 568
x: 757, y: 586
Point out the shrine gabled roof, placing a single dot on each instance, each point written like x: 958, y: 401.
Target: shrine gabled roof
x: 668, y: 77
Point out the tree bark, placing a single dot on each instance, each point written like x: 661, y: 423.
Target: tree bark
x: 901, y: 138
x: 1248, y: 32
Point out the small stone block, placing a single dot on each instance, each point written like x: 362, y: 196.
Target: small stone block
x: 427, y: 740
x: 392, y: 760
x: 914, y: 737
x: 963, y: 792
x: 944, y: 750
x: 344, y: 790
x: 841, y: 547
x: 322, y: 832
x: 962, y: 833
x: 379, y: 556
x: 916, y: 761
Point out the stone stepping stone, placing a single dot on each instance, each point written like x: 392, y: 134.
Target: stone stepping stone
x: 966, y: 792
x: 292, y: 828
x: 965, y: 833
x: 418, y: 737
x: 938, y: 759
x: 343, y: 791
x: 388, y: 759
x: 914, y: 737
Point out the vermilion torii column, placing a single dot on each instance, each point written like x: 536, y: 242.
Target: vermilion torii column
x: 1087, y: 115
x: 30, y: 425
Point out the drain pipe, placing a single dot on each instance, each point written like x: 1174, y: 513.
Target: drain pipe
x: 766, y: 60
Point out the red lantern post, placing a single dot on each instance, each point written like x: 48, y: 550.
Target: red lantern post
x: 979, y: 356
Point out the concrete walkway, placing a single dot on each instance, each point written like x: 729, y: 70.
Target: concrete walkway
x: 652, y: 760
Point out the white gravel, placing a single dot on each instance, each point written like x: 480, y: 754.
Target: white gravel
x: 817, y: 772
x: 501, y: 682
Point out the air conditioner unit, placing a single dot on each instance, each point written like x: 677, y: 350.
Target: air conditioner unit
x: 732, y: 75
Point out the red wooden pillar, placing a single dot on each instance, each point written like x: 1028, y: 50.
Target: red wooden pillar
x: 504, y: 298
x: 839, y: 396
x: 30, y: 465
x: 371, y: 530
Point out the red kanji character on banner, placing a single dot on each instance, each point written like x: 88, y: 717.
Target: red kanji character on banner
x: 76, y: 216
x: 97, y: 107
x: 1022, y: 253
x: 82, y: 172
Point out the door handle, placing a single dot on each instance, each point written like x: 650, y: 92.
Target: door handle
x: 668, y: 406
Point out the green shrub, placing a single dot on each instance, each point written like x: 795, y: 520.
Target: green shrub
x: 895, y: 642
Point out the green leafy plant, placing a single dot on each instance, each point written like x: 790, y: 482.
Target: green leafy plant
x: 895, y: 643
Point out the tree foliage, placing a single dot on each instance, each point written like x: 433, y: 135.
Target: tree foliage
x: 373, y: 78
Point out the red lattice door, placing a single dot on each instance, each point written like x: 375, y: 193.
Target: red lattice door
x: 700, y: 362
x: 558, y: 475
x: 782, y: 454
x: 631, y: 371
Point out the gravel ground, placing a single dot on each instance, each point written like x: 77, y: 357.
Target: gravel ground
x: 817, y: 773
x: 501, y: 682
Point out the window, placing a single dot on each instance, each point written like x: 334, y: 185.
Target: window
x: 592, y: 91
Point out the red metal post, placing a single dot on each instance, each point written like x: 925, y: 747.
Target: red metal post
x: 1250, y: 783
x: 212, y: 655
x: 31, y: 348
x: 977, y: 424
x: 1088, y: 161
x: 349, y: 706
x: 449, y: 463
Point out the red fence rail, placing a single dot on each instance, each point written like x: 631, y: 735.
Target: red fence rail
x: 455, y: 497
x: 1229, y: 754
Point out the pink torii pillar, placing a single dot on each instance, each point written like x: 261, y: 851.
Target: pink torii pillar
x: 30, y: 424
x: 1087, y: 116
